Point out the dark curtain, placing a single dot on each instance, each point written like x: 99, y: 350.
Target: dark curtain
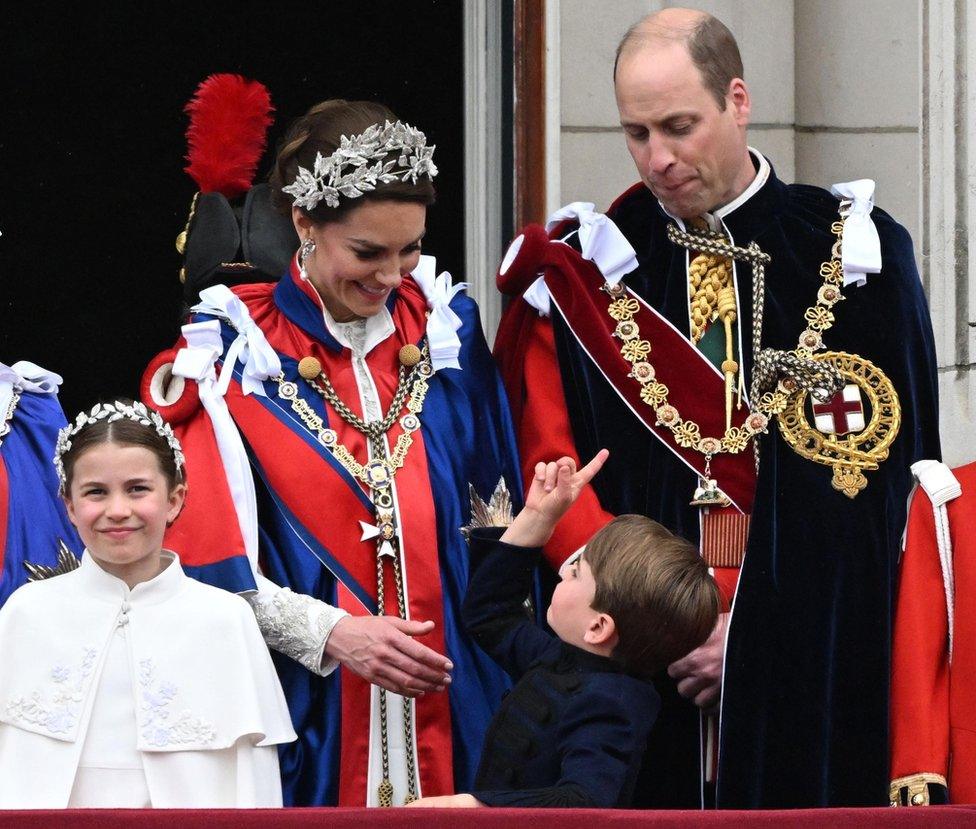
x: 92, y: 188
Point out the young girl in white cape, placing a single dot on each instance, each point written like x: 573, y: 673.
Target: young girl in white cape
x: 124, y: 683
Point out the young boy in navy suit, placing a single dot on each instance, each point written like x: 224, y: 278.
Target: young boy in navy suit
x: 572, y: 731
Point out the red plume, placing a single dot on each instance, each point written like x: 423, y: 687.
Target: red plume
x: 229, y: 120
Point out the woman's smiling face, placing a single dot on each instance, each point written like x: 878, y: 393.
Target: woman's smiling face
x: 359, y: 260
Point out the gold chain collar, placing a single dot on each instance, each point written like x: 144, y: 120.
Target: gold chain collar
x: 378, y: 475
x: 411, y: 391
x: 636, y: 351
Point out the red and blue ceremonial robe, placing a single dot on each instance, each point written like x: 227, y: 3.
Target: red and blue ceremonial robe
x: 310, y: 516
x: 32, y: 516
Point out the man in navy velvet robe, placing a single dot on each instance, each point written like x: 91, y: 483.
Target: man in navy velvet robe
x: 798, y: 672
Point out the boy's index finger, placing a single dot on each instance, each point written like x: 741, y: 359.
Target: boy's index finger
x: 588, y: 472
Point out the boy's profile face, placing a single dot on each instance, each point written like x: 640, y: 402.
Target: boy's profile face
x: 571, y: 610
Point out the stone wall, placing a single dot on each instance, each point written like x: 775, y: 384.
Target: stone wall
x: 841, y: 89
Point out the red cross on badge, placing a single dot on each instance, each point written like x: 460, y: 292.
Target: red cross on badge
x: 842, y: 413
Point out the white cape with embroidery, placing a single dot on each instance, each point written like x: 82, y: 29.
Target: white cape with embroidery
x: 208, y: 708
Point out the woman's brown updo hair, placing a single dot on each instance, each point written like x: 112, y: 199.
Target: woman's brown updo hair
x: 320, y: 131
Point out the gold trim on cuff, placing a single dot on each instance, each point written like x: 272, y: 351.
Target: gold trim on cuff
x: 917, y: 786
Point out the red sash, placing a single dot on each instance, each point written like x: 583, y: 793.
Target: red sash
x: 696, y: 388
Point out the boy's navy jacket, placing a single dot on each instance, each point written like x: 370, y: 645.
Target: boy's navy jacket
x: 573, y: 729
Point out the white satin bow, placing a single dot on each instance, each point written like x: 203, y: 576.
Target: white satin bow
x: 600, y: 240
x: 861, y: 251
x: 196, y: 362
x: 250, y: 347
x: 442, y: 324
x: 203, y: 346
x: 25, y: 376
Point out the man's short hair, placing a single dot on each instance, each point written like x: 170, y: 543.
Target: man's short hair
x: 656, y: 588
x: 712, y: 47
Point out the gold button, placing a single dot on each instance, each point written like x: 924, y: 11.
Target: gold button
x: 918, y: 799
x: 181, y: 242
x: 309, y: 368
x: 410, y: 355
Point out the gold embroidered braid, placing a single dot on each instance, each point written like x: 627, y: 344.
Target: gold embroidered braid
x: 385, y: 790
x: 712, y: 289
x: 7, y: 416
x: 407, y: 704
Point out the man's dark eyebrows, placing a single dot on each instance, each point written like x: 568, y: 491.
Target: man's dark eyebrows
x: 677, y: 116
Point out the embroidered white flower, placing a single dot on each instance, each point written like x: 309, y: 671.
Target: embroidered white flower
x: 57, y: 711
x: 162, y: 726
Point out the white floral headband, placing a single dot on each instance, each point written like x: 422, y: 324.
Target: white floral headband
x: 364, y: 158
x: 117, y: 410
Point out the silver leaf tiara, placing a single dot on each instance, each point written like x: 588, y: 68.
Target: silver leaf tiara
x: 361, y: 162
x: 117, y: 410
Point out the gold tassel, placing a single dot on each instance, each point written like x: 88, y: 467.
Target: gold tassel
x: 727, y: 313
x: 385, y: 793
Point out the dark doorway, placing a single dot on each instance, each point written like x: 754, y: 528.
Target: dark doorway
x: 92, y: 144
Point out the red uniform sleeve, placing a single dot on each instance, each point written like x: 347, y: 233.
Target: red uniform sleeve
x: 920, y: 655
x: 545, y: 434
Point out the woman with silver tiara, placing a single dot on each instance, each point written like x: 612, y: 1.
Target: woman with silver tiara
x: 334, y: 424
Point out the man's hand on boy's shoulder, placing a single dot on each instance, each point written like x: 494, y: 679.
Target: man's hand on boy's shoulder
x: 699, y: 674
x: 555, y: 487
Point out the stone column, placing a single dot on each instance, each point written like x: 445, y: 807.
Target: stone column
x: 948, y: 220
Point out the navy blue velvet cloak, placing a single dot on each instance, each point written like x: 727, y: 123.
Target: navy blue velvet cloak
x: 804, y: 717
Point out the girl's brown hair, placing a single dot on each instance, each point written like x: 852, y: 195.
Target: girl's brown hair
x: 320, y: 131
x: 122, y: 432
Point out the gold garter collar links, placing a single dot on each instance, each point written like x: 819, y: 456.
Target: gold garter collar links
x: 782, y: 381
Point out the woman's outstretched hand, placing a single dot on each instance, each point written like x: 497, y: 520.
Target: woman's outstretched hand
x: 554, y: 489
x: 382, y: 650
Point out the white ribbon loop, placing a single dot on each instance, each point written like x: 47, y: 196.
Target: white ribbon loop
x: 442, y: 323
x: 196, y: 361
x: 203, y: 347
x: 25, y: 376
x: 250, y: 347
x: 600, y: 240
x: 538, y: 296
x: 861, y: 250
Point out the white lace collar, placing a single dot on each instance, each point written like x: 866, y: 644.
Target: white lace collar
x: 360, y: 335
